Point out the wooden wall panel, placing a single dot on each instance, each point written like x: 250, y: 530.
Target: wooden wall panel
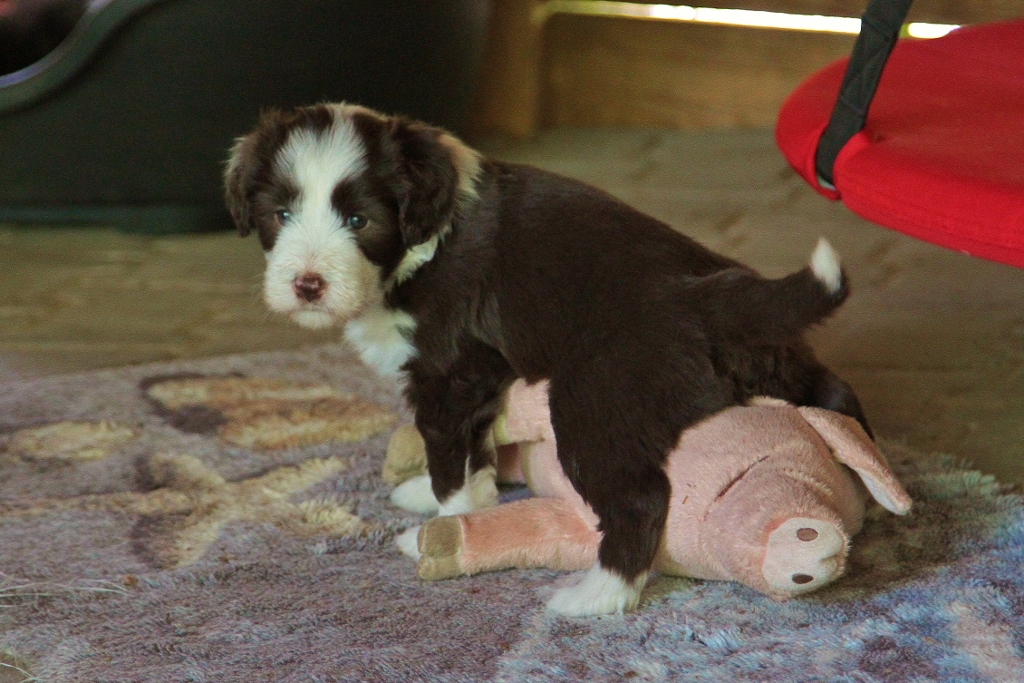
x: 508, y: 89
x: 562, y: 69
x: 603, y: 71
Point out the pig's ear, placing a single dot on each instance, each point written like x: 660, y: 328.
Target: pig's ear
x: 852, y: 447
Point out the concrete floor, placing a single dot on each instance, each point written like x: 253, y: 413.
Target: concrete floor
x: 932, y: 340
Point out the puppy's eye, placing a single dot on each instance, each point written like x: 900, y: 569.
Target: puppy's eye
x: 282, y: 216
x: 356, y: 221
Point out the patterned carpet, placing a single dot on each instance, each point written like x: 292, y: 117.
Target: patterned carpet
x: 225, y: 520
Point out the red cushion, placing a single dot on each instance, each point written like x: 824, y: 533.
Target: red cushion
x: 942, y: 155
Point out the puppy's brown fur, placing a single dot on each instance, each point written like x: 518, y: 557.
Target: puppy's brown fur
x: 641, y: 331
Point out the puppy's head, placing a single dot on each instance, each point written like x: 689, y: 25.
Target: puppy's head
x: 346, y: 202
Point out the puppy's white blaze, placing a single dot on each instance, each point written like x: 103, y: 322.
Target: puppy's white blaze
x: 381, y: 338
x: 313, y: 239
x: 415, y: 495
x: 479, y: 491
x: 408, y: 542
x: 600, y: 592
x: 826, y: 267
x: 317, y: 161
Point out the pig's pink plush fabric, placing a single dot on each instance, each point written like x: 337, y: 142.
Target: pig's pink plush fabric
x: 767, y: 494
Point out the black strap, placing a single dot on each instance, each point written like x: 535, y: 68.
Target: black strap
x: 879, y: 29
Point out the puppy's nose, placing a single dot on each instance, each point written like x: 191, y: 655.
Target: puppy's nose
x: 310, y: 287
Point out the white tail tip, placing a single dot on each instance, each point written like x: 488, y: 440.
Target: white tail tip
x: 825, y: 266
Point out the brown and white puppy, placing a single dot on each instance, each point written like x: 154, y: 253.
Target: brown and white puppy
x: 462, y: 273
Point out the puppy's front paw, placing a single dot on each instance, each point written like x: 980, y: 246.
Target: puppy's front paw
x: 416, y: 495
x: 480, y: 491
x: 600, y: 592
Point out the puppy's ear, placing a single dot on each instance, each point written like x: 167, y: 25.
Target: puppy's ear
x: 438, y: 173
x: 238, y: 182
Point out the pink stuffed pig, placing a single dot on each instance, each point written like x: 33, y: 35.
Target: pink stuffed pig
x: 761, y: 494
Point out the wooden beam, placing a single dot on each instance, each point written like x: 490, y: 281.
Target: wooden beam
x: 612, y: 72
x: 544, y: 70
x: 508, y: 89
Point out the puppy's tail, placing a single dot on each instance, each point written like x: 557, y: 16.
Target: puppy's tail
x: 739, y: 304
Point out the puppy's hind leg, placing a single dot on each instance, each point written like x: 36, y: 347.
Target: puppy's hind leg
x: 614, y: 459
x: 632, y: 520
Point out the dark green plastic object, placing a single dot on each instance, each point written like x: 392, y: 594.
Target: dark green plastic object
x: 128, y: 122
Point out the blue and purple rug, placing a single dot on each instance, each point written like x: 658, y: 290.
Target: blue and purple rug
x: 225, y: 520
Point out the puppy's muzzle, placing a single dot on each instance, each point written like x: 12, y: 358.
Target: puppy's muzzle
x: 310, y: 287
